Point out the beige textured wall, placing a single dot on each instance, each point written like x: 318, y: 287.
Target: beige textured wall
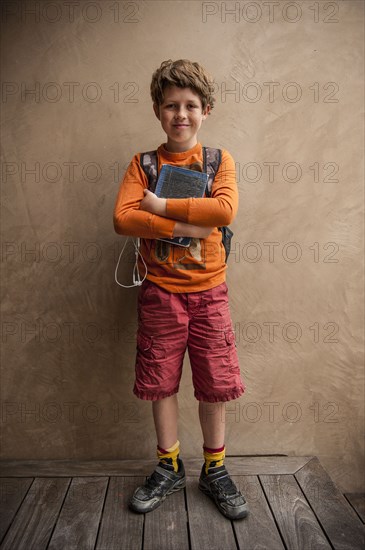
x: 294, y: 126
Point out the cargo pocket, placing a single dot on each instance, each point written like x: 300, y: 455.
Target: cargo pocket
x: 230, y: 338
x: 149, y: 348
x: 231, y: 359
x: 219, y: 342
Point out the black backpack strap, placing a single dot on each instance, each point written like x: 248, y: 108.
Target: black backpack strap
x: 149, y: 163
x: 211, y: 161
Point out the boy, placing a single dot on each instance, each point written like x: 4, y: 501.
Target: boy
x: 183, y: 302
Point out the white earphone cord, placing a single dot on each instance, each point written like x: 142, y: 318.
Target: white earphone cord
x: 136, y: 276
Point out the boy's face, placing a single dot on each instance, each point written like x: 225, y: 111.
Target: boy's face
x: 181, y: 115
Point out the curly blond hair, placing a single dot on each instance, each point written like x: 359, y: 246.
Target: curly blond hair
x: 183, y: 74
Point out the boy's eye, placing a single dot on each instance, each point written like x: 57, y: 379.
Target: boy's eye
x: 173, y: 106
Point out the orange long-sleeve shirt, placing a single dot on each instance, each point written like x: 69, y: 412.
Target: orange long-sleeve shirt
x: 177, y: 269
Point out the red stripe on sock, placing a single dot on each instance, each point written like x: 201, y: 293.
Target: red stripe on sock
x: 162, y: 450
x: 208, y: 450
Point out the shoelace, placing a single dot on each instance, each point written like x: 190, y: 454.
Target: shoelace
x: 153, y: 481
x: 225, y: 486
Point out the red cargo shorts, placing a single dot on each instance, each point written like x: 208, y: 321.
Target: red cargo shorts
x: 168, y: 324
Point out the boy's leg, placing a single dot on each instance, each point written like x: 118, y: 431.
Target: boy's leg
x: 169, y: 474
x: 214, y: 479
x: 165, y: 415
x: 161, y: 344
x: 217, y: 379
x: 212, y: 422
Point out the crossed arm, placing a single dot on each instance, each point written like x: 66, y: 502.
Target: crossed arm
x: 156, y: 205
x: 140, y: 213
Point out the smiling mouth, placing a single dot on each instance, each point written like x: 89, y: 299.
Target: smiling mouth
x: 181, y: 125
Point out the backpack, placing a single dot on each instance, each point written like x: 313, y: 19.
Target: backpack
x: 211, y: 162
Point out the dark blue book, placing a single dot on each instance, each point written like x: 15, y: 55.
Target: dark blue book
x: 175, y: 182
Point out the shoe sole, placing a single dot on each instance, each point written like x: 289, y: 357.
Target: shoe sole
x: 180, y: 484
x: 240, y: 515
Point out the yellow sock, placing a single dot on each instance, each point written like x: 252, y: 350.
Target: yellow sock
x: 214, y: 457
x: 170, y: 455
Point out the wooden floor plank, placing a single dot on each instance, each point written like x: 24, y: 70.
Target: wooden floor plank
x: 244, y: 465
x: 209, y: 529
x: 295, y: 519
x: 12, y: 492
x: 78, y: 523
x: 357, y: 501
x: 33, y: 524
x: 299, y: 508
x: 337, y: 517
x: 258, y: 530
x: 166, y: 527
x: 120, y: 528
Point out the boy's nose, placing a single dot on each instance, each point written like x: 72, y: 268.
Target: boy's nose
x: 180, y: 113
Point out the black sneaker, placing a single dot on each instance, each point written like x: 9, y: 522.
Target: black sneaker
x: 218, y: 485
x: 163, y: 481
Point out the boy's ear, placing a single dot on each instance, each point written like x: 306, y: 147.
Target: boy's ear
x: 156, y: 109
x: 206, y: 112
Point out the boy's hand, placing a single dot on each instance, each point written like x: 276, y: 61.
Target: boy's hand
x: 152, y: 203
